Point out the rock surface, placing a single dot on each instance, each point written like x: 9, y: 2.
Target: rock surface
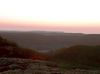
x: 28, y: 66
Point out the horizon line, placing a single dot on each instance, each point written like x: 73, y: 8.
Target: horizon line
x: 45, y: 31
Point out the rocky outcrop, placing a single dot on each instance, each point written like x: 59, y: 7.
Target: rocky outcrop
x: 28, y: 66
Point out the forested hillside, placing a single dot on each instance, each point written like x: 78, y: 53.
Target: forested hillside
x: 81, y: 56
x: 12, y: 50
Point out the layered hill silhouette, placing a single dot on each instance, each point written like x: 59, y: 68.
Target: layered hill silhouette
x: 78, y: 56
x: 48, y: 41
x: 10, y: 49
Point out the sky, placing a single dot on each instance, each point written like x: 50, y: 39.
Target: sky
x: 75, y: 16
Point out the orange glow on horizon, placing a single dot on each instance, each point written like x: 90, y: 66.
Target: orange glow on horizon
x: 50, y: 15
x: 65, y: 27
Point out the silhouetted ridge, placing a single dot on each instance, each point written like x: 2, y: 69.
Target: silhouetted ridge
x: 12, y: 50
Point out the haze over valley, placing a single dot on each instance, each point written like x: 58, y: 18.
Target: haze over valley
x: 49, y: 41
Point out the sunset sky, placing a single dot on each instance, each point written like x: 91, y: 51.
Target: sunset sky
x: 76, y: 16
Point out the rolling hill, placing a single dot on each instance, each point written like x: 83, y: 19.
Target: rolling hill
x: 81, y: 56
x: 49, y: 41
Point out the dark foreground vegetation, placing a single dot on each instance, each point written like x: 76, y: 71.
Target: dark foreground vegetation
x: 10, y: 49
x: 80, y: 56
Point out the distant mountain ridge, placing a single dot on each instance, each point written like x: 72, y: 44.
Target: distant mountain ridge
x: 49, y: 41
